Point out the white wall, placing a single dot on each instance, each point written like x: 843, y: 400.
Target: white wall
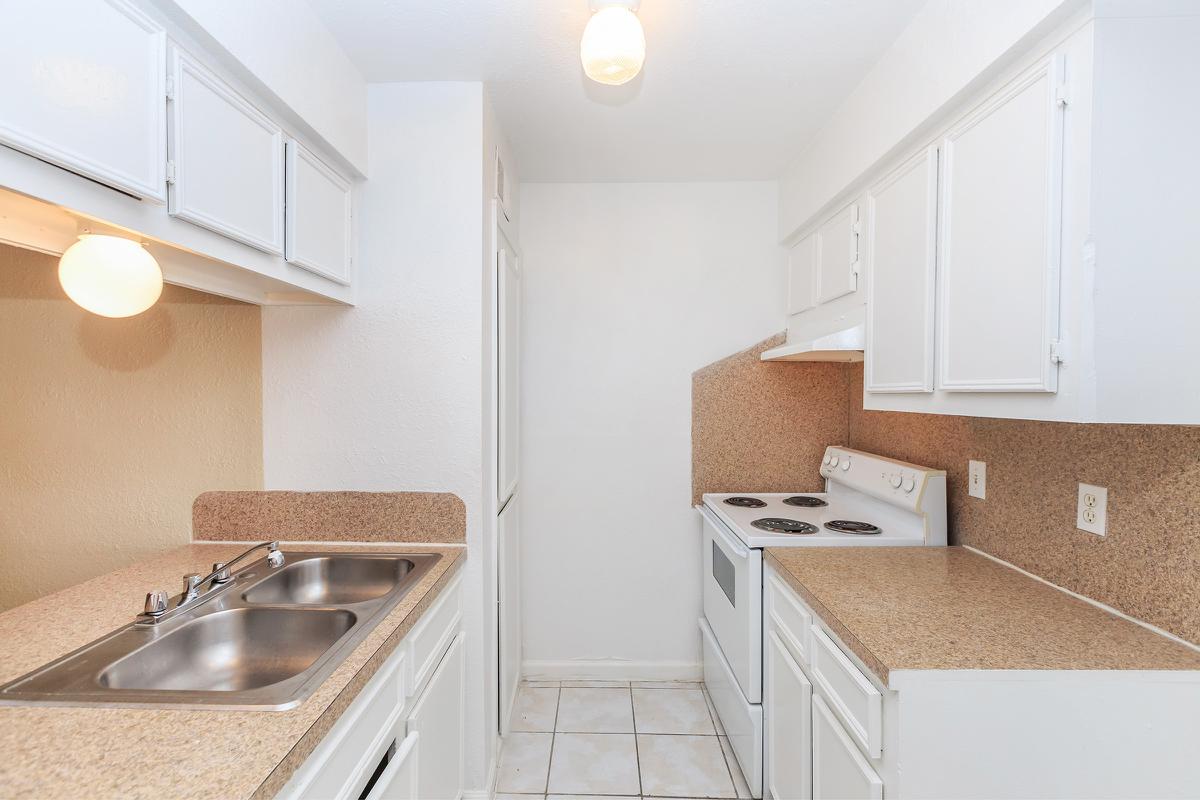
x: 388, y: 395
x: 628, y: 288
x: 943, y: 53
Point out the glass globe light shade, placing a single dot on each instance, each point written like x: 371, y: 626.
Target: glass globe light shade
x: 110, y: 276
x: 613, y: 48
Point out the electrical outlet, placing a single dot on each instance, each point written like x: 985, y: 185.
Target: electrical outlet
x: 1091, y: 512
x: 977, y: 479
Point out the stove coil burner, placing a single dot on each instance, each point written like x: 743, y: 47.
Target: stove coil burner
x: 804, y: 501
x: 744, y: 502
x: 853, y: 526
x: 779, y: 525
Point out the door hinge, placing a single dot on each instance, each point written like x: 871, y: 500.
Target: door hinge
x: 170, y: 172
x: 170, y: 87
x: 1058, y: 352
x: 1060, y: 96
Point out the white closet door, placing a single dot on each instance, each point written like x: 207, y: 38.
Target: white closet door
x: 999, y: 241
x: 840, y: 771
x: 508, y: 344
x: 319, y: 216
x: 802, y: 265
x: 84, y: 87
x: 901, y: 245
x: 837, y: 255
x: 227, y: 157
x: 789, y: 725
x: 508, y: 587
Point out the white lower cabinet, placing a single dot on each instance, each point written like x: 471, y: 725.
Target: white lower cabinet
x: 839, y: 770
x: 835, y: 731
x: 789, y: 725
x: 400, y: 739
x: 437, y: 718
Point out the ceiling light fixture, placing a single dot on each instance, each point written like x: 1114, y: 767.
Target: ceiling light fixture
x: 110, y: 276
x: 613, y: 47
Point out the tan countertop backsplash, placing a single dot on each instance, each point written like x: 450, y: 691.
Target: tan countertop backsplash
x: 330, y: 516
x: 1147, y: 566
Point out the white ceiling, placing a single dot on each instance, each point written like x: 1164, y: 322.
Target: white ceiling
x: 731, y: 90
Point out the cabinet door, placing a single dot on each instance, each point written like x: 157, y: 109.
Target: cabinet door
x: 999, y: 241
x: 837, y: 255
x: 508, y: 555
x: 318, y: 216
x: 789, y: 725
x: 398, y: 781
x: 438, y: 718
x: 84, y: 88
x: 840, y: 772
x: 227, y: 159
x: 508, y: 347
x: 802, y: 265
x: 901, y: 244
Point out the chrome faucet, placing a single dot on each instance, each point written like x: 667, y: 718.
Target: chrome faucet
x: 156, y: 601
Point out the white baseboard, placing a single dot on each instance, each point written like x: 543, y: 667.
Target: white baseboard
x: 611, y: 670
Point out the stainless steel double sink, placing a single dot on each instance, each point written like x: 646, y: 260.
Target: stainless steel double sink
x: 263, y: 641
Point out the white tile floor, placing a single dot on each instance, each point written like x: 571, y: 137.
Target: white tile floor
x: 579, y: 740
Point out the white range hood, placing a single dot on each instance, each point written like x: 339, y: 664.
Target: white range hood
x: 845, y: 345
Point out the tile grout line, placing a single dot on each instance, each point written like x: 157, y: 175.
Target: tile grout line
x: 637, y: 753
x: 553, y: 737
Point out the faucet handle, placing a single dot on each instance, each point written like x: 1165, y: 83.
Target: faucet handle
x: 190, y: 582
x: 274, y: 555
x: 156, y: 602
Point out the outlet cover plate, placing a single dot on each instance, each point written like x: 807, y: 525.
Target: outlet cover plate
x: 1091, y: 509
x: 977, y: 479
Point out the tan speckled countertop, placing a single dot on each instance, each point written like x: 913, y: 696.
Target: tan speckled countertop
x: 51, y: 752
x: 924, y: 608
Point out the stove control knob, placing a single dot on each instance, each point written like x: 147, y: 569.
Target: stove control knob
x: 846, y: 464
x: 909, y: 484
x: 833, y: 462
x: 895, y: 481
x: 827, y: 459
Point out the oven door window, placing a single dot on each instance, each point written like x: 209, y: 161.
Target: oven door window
x: 724, y: 574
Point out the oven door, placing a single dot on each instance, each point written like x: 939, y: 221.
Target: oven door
x: 732, y: 584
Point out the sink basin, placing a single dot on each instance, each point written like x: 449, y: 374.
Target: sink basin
x: 229, y: 651
x: 331, y: 580
x: 263, y: 641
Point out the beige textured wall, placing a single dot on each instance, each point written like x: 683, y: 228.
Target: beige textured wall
x: 109, y: 429
x: 759, y: 427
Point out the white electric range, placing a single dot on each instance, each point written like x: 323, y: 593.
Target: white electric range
x: 869, y: 501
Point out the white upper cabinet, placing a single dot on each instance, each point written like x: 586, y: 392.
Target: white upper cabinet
x: 901, y: 239
x: 84, y: 88
x: 319, y: 215
x: 227, y: 158
x: 837, y: 255
x: 802, y: 265
x: 1000, y: 240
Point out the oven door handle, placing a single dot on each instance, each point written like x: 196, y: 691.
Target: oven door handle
x: 739, y: 549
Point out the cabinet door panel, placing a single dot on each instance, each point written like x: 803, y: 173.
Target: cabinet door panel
x: 228, y: 160
x: 837, y: 255
x: 84, y: 88
x: 802, y: 265
x: 999, y: 241
x: 789, y: 725
x: 901, y: 274
x: 840, y: 772
x: 438, y: 718
x: 318, y: 224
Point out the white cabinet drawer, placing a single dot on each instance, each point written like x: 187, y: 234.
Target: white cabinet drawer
x: 848, y: 690
x: 344, y: 760
x: 790, y: 619
x: 839, y: 770
x: 227, y: 157
x: 432, y: 635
